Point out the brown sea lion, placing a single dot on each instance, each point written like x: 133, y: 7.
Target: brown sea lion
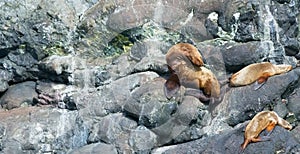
x: 258, y: 72
x: 186, y: 65
x: 261, y: 121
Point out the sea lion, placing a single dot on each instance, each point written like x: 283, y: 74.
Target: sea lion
x: 261, y: 121
x: 258, y: 72
x: 186, y: 65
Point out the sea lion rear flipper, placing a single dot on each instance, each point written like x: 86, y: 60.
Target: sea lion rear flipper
x: 171, y: 86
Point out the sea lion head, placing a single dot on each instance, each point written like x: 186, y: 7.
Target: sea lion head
x: 285, y: 124
x: 282, y: 68
x: 183, y: 54
x: 191, y: 52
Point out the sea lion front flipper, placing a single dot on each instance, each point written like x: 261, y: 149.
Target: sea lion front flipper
x: 257, y: 85
x: 271, y: 127
x: 261, y: 139
x: 261, y: 80
x: 171, y: 86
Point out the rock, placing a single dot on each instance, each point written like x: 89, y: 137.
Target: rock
x: 121, y: 66
x: 248, y: 26
x: 16, y: 73
x: 5, y: 76
x: 95, y: 148
x: 281, y: 108
x: 179, y: 122
x: 21, y: 94
x: 295, y: 132
x: 154, y: 59
x: 105, y: 20
x: 60, y: 68
x: 212, y: 55
x: 293, y: 103
x: 113, y: 129
x: 148, y: 104
x: 22, y: 59
x: 62, y: 131
x: 142, y: 140
x: 50, y: 93
x: 238, y: 55
x: 3, y: 85
x: 138, y: 51
x: 101, y: 77
x: 285, y: 16
x: 109, y: 98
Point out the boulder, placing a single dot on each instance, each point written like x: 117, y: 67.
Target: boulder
x: 21, y: 94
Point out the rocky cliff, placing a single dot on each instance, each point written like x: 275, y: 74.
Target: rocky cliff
x: 87, y: 76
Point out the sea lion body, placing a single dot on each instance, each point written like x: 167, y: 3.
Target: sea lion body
x: 261, y: 121
x: 199, y: 78
x: 186, y: 66
x: 259, y: 72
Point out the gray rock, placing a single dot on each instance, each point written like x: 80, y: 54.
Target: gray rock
x: 22, y: 59
x: 149, y: 105
x: 62, y: 131
x: 212, y: 55
x: 142, y: 140
x: 238, y: 55
x: 113, y: 129
x: 293, y: 103
x: 179, y: 122
x: 121, y: 66
x: 154, y: 59
x: 101, y: 77
x: 295, y: 132
x: 16, y: 73
x: 138, y: 51
x: 18, y: 95
x: 95, y: 148
x: 50, y: 93
x: 285, y: 15
x: 61, y: 69
x: 3, y: 85
x: 109, y: 98
x: 281, y: 108
x: 5, y: 76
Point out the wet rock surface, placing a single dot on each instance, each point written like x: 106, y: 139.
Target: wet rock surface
x: 87, y: 76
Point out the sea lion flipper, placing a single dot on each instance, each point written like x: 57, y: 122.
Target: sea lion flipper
x: 261, y: 80
x: 271, y: 127
x: 171, y: 86
x: 198, y: 94
x: 258, y: 85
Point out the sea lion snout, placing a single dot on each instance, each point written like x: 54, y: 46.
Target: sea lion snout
x: 286, y: 125
x: 284, y: 68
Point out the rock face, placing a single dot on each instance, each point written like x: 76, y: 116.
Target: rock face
x: 87, y: 76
